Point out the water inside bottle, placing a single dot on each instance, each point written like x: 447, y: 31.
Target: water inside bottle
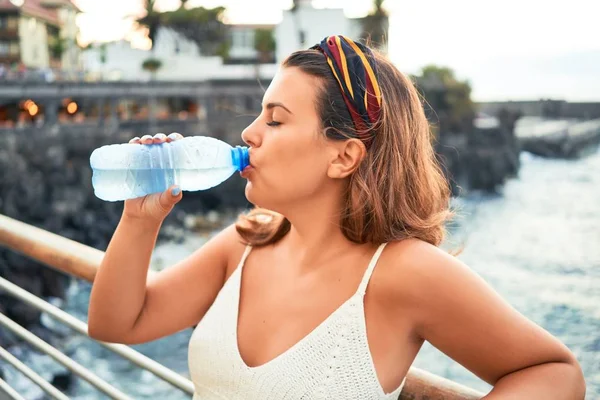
x: 120, y: 184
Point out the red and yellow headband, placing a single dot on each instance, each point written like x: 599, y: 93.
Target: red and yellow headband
x: 354, y: 67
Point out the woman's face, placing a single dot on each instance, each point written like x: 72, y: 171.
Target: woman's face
x: 288, y: 152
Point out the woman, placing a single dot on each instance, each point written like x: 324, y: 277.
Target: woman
x: 332, y: 292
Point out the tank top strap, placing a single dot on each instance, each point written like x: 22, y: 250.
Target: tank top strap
x: 244, y: 256
x: 362, y: 289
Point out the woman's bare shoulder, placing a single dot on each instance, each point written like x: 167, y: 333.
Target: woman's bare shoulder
x: 411, y: 270
x: 232, y: 245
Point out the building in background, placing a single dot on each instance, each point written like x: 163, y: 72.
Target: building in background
x: 250, y: 52
x: 243, y: 46
x: 39, y: 35
x: 180, y: 59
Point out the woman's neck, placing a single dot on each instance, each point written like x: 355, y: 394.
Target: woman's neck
x: 315, y: 234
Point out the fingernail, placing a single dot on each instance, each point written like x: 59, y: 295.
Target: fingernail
x: 175, y: 191
x: 173, y: 136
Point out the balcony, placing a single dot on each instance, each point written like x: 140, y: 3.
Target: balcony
x: 9, y: 58
x: 9, y: 33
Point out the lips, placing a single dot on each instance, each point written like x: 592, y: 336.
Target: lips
x: 247, y: 171
x: 249, y: 168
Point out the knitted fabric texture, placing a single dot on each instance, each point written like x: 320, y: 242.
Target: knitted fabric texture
x: 332, y: 362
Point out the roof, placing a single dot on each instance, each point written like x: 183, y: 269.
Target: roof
x: 59, y: 4
x: 46, y: 10
x: 7, y: 5
x: 251, y: 26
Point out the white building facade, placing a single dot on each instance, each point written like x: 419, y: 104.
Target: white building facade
x: 181, y: 59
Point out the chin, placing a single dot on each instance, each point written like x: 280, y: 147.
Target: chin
x: 250, y: 193
x: 258, y: 199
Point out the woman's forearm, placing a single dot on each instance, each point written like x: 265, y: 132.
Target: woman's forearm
x: 119, y: 288
x: 551, y: 381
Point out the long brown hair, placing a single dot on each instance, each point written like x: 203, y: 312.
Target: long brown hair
x: 398, y: 190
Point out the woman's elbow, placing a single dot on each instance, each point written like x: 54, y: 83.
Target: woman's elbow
x: 101, y: 331
x: 578, y: 380
x: 97, y: 332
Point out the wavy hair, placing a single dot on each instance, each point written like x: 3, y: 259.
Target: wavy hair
x: 398, y: 191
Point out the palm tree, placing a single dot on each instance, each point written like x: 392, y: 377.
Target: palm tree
x: 203, y: 26
x: 151, y: 20
x: 375, y: 25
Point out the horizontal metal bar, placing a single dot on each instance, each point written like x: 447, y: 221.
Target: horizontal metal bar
x: 51, y: 249
x: 32, y: 375
x: 139, y: 359
x: 7, y: 392
x: 423, y: 385
x: 72, y: 365
x: 57, y: 252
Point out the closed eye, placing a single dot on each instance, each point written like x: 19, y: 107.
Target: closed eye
x: 273, y: 123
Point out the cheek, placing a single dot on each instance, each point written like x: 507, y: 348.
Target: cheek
x: 289, y: 172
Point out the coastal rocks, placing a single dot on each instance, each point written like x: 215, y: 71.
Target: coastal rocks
x: 558, y: 138
x: 483, y: 158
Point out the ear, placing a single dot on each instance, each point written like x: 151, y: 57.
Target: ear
x: 346, y: 156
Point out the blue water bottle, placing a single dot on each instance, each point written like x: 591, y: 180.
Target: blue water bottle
x: 127, y: 171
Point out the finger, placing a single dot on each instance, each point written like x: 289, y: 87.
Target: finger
x: 170, y: 197
x: 135, y: 140
x: 159, y: 138
x: 146, y: 139
x: 174, y: 136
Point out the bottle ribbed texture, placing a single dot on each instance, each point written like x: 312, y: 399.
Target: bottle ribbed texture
x: 331, y: 362
x: 126, y: 171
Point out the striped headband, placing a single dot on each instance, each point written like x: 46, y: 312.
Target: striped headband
x: 354, y: 67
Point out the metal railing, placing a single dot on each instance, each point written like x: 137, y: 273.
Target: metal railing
x: 82, y: 261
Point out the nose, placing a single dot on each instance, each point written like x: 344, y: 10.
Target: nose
x: 252, y: 135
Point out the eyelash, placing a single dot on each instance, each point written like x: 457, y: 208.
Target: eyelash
x: 273, y: 123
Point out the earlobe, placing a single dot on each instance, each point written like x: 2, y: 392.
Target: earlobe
x: 347, y: 157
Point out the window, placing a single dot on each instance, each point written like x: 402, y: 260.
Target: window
x: 4, y: 48
x: 14, y: 48
x: 12, y: 23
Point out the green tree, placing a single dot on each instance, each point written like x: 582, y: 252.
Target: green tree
x: 375, y: 25
x: 448, y: 101
x: 203, y: 26
x: 264, y: 44
x: 57, y: 46
x: 152, y: 65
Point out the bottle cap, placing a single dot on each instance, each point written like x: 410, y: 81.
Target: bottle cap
x: 240, y: 157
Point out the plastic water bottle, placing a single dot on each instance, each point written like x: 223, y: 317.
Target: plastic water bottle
x: 127, y: 171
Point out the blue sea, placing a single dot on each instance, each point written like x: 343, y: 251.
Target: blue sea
x: 537, y: 243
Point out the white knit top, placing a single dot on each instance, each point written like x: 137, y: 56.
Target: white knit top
x: 332, y: 362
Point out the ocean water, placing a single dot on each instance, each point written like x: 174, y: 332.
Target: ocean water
x: 537, y: 243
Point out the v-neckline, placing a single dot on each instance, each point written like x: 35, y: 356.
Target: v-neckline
x: 293, y: 347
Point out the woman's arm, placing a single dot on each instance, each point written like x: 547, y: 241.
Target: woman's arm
x: 126, y: 307
x: 460, y: 314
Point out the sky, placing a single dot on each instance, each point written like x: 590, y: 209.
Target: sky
x: 509, y: 50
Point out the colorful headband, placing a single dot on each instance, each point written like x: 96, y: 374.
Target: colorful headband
x: 353, y: 65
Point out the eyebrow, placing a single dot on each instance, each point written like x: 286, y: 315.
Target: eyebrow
x: 270, y: 106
